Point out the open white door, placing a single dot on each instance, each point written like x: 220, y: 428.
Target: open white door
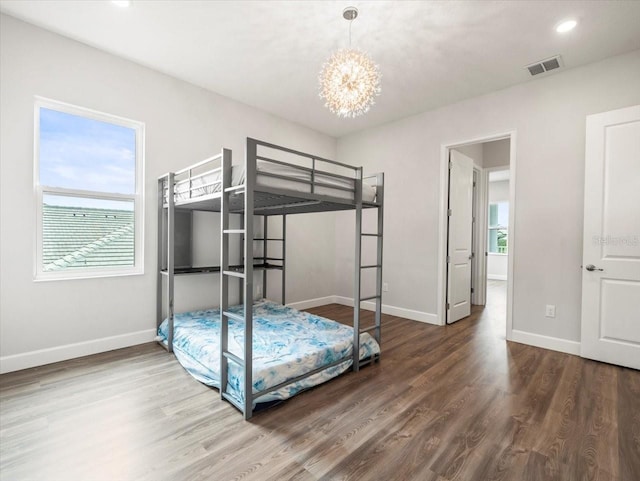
x: 611, y: 252
x: 460, y: 236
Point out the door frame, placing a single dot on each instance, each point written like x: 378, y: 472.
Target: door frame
x: 485, y: 226
x: 479, y: 264
x: 444, y: 196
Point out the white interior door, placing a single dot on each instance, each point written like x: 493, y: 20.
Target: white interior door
x: 611, y: 252
x: 460, y: 236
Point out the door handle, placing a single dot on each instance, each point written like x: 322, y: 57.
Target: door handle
x: 591, y: 268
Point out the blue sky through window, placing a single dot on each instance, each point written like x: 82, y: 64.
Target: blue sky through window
x: 86, y: 154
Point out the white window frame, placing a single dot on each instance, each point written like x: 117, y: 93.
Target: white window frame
x: 137, y: 198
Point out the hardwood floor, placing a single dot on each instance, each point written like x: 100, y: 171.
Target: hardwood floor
x: 445, y: 403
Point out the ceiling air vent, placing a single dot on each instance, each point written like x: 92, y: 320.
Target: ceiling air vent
x: 545, y: 65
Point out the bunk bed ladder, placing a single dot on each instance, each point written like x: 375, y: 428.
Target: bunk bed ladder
x: 359, y: 267
x: 225, y: 274
x: 249, y: 184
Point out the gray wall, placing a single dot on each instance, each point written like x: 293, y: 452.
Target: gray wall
x: 41, y: 320
x: 549, y: 116
x: 184, y: 124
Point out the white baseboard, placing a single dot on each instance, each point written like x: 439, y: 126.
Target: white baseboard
x: 546, y: 342
x: 41, y: 357
x: 309, y: 303
x: 497, y: 277
x: 392, y: 310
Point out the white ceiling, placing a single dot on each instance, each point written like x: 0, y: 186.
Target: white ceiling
x: 268, y: 53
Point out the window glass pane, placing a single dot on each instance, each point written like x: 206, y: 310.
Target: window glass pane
x: 86, y: 154
x: 498, y: 223
x: 493, y: 240
x: 502, y: 240
x: 503, y: 214
x: 499, y: 214
x: 493, y: 214
x: 80, y: 233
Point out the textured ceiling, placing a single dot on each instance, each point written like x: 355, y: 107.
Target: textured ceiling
x: 268, y: 53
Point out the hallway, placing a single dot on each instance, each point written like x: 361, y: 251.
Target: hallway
x: 493, y: 315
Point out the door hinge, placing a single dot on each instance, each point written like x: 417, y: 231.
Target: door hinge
x: 474, y: 183
x: 449, y: 212
x: 450, y: 165
x: 448, y: 259
x: 448, y: 306
x: 472, y: 290
x: 473, y: 254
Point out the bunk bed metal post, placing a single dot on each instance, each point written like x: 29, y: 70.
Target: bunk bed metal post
x: 380, y: 202
x: 171, y: 210
x: 284, y: 257
x: 241, y: 251
x: 358, y: 270
x: 160, y: 254
x: 250, y: 184
x: 265, y: 230
x: 224, y: 266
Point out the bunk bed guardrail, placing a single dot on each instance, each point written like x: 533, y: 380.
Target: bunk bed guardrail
x: 314, y: 181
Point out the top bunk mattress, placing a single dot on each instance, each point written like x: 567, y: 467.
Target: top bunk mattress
x: 210, y: 183
x: 286, y: 344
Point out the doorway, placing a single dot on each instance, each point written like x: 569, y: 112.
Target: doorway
x: 497, y: 208
x: 490, y: 281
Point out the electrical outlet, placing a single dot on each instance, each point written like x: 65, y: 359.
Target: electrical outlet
x: 385, y: 287
x: 550, y: 310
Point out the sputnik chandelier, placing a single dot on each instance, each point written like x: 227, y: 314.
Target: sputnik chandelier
x: 349, y: 80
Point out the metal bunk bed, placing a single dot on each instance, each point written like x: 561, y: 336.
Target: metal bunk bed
x: 266, y: 190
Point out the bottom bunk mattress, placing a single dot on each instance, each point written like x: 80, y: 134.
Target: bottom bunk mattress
x: 286, y: 344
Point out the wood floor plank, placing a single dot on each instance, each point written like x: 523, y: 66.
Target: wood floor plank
x: 628, y: 413
x: 445, y: 403
x: 560, y: 425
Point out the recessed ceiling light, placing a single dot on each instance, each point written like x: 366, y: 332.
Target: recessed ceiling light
x: 122, y: 3
x: 566, y: 26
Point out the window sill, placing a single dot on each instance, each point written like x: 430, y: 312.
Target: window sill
x: 87, y: 275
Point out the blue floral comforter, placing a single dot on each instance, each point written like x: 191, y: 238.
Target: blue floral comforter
x: 286, y: 343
